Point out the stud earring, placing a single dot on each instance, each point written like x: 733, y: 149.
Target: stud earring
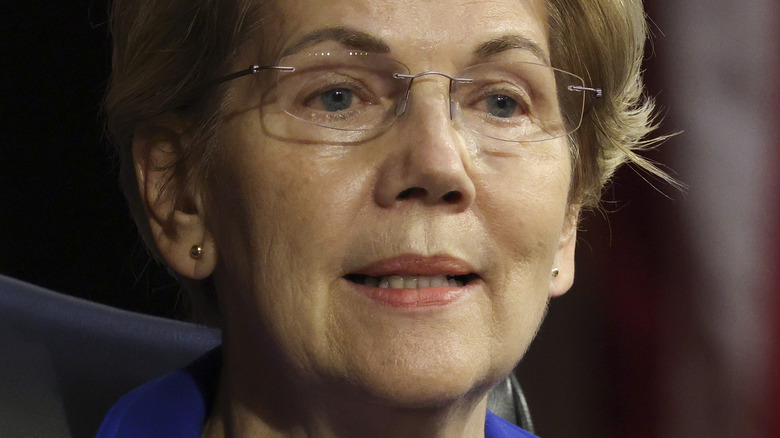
x: 555, y: 272
x: 196, y: 252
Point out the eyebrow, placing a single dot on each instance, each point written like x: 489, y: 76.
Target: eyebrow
x: 362, y: 41
x: 511, y: 41
x: 345, y: 35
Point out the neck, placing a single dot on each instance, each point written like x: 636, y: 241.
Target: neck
x: 260, y: 401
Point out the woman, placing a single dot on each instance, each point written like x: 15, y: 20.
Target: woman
x: 378, y: 210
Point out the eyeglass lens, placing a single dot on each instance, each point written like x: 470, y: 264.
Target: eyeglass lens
x: 356, y: 91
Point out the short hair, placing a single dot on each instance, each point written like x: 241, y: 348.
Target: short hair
x: 603, y: 41
x: 166, y: 51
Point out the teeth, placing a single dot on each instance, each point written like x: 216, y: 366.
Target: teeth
x: 438, y: 281
x: 411, y: 281
x: 396, y: 282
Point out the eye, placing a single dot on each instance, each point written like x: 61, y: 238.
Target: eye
x: 336, y: 99
x: 499, y: 105
x: 496, y: 100
x: 347, y: 97
x: 338, y: 96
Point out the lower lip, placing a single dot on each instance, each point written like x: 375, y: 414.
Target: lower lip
x: 413, y: 298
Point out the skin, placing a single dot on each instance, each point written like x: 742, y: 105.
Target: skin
x: 281, y: 223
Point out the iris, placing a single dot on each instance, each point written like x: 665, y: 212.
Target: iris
x: 501, y: 106
x: 337, y: 99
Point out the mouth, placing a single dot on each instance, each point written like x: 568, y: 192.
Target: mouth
x: 411, y: 281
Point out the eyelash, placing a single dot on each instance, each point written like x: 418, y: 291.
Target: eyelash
x: 493, y: 90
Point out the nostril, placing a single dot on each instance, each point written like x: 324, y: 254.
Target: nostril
x: 452, y: 197
x: 412, y: 192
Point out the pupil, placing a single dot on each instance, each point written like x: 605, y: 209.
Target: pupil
x: 501, y: 106
x: 337, y: 99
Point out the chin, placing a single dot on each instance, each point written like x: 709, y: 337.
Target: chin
x: 431, y: 379
x: 419, y: 359
x: 435, y: 392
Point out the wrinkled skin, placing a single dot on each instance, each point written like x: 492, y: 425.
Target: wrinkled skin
x: 282, y: 223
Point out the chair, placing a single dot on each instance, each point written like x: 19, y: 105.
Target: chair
x: 64, y: 361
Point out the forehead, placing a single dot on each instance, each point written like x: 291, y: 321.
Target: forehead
x: 407, y: 27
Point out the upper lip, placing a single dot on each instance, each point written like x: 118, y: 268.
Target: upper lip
x: 415, y: 264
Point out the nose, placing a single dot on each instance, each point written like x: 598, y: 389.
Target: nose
x: 429, y: 162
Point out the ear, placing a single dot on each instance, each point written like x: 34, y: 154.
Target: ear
x: 564, y: 256
x: 173, y: 205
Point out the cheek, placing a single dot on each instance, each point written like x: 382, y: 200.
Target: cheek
x: 269, y: 211
x: 282, y: 193
x: 280, y: 212
x: 523, y: 202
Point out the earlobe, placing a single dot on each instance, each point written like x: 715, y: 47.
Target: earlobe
x: 562, y: 273
x: 172, y: 203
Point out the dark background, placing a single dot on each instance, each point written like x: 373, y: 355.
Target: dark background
x: 64, y: 224
x: 63, y: 221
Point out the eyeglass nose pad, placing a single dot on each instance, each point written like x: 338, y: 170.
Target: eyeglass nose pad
x: 399, y: 110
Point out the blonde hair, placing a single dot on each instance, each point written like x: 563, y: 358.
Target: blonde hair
x: 603, y: 41
x: 165, y: 51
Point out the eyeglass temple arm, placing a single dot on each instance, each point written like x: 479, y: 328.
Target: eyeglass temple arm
x: 254, y: 69
x: 597, y: 93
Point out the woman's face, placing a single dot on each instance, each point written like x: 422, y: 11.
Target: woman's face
x: 307, y: 234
